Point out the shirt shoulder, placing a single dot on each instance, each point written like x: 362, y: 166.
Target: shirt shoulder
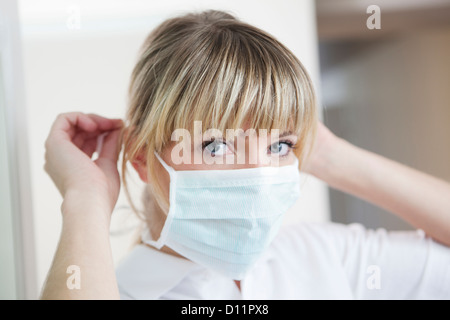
x: 377, y: 264
x: 328, y: 239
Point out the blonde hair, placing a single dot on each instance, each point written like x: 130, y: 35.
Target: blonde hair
x: 212, y: 67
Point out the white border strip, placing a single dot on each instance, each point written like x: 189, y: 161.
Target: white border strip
x: 18, y: 150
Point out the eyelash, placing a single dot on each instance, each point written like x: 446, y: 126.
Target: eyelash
x: 207, y: 142
x: 289, y: 143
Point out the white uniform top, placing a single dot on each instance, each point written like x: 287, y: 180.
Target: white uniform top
x: 305, y: 261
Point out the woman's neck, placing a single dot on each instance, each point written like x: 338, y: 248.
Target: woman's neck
x: 155, y: 219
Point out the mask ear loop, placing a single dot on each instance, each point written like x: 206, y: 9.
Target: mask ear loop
x: 158, y: 244
x: 169, y: 169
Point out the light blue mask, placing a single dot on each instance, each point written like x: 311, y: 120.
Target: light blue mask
x: 225, y: 219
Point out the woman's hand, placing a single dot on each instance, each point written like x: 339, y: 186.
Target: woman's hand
x: 69, y: 148
x: 324, y: 144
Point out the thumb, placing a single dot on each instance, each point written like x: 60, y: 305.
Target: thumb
x: 111, y: 146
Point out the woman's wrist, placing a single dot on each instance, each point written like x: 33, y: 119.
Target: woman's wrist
x: 84, y: 243
x: 343, y: 166
x: 82, y: 206
x: 329, y: 157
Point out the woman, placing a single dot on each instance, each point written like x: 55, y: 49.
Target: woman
x: 214, y: 201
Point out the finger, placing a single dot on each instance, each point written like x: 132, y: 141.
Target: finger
x: 105, y: 124
x: 66, y: 124
x: 79, y: 139
x: 110, y: 148
x: 82, y: 136
x: 90, y: 146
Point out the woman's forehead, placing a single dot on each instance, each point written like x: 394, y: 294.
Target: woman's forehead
x: 243, y: 132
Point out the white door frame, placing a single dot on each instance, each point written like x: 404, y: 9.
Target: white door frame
x: 17, y: 151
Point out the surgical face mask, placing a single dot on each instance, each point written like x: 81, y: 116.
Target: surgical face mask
x: 225, y: 219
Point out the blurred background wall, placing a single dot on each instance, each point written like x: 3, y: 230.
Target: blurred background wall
x: 78, y: 56
x: 387, y: 90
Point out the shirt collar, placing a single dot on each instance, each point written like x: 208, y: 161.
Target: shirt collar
x: 147, y: 273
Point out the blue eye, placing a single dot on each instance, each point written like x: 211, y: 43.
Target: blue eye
x: 216, y: 147
x: 281, y: 148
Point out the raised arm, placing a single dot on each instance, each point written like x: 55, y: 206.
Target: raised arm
x: 418, y: 198
x: 83, y: 266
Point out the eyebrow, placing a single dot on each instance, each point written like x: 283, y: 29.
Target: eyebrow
x: 284, y: 134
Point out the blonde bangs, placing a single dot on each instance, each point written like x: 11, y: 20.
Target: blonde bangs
x: 231, y: 80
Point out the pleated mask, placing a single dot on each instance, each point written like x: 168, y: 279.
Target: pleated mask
x: 225, y: 219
